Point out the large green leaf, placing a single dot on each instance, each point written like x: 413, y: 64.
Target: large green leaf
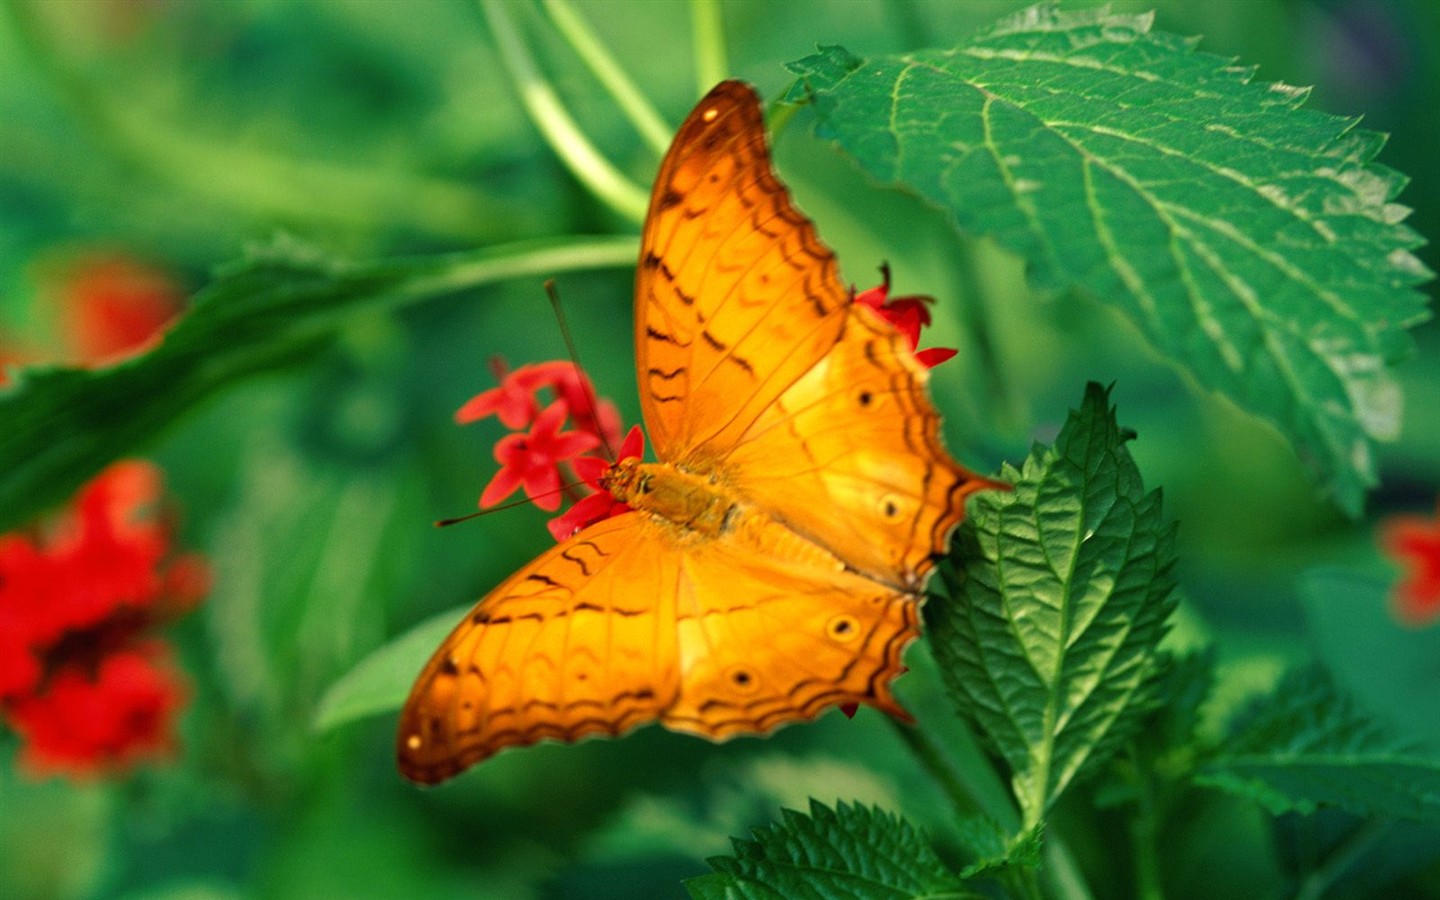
x: 1062, y: 586
x: 1252, y: 241
x: 847, y: 852
x: 1308, y: 745
x: 61, y: 425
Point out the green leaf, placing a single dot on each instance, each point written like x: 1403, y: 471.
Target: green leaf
x: 274, y: 308
x: 1063, y: 586
x: 380, y: 682
x: 995, y: 851
x: 849, y: 852
x: 1308, y: 746
x: 1252, y: 241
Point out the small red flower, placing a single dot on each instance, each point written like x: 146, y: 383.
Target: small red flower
x: 1414, y: 542
x: 908, y: 314
x: 532, y: 459
x: 601, y: 504
x: 513, y: 402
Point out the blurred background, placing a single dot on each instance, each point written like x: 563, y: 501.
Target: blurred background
x: 145, y: 142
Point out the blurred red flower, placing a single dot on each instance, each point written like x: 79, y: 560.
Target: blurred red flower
x: 76, y: 603
x: 1414, y: 542
x: 111, y: 306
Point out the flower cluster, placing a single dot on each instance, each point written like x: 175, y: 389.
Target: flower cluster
x: 532, y: 457
x: 1414, y: 542
x: 82, y: 680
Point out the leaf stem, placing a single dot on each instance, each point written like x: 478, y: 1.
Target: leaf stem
x: 1144, y: 832
x: 709, y: 36
x: 557, y: 126
x: 597, y: 58
x: 1342, y: 858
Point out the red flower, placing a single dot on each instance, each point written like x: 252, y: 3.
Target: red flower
x: 1414, y: 542
x: 533, y: 459
x: 514, y: 401
x: 78, y: 681
x: 83, y: 722
x: 908, y: 315
x: 112, y: 306
x: 599, y: 505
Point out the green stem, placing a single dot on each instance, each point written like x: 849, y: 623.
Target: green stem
x: 1342, y: 858
x: 555, y: 123
x: 962, y: 800
x: 709, y: 30
x: 597, y: 58
x: 1144, y: 830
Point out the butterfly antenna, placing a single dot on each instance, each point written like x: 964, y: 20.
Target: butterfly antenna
x: 554, y: 294
x: 511, y: 505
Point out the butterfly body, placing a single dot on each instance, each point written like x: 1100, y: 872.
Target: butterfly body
x: 689, y: 502
x: 773, y: 559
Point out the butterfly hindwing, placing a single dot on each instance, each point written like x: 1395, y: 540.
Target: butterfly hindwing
x: 581, y: 641
x: 772, y: 631
x: 858, y: 433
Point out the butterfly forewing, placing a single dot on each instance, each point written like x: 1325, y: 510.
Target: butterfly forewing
x: 735, y: 297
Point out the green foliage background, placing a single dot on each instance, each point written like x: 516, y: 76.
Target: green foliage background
x: 377, y: 156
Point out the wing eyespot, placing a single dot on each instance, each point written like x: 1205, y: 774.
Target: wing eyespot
x: 864, y: 398
x: 743, y: 680
x: 889, y: 508
x: 842, y: 628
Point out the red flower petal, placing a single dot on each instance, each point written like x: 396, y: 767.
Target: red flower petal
x: 934, y: 356
x: 1414, y: 542
x: 82, y: 725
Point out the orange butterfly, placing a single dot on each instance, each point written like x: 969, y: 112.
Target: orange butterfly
x: 773, y: 561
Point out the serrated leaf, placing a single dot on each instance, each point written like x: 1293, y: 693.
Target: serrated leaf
x: 995, y: 851
x: 1252, y: 241
x: 1063, y: 586
x: 1308, y: 745
x: 851, y: 852
x: 274, y: 308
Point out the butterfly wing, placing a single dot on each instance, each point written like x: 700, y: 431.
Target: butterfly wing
x: 581, y: 641
x: 756, y: 365
x: 850, y: 455
x: 735, y: 298
x: 772, y: 631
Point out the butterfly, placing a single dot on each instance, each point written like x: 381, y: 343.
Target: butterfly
x: 774, y: 558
